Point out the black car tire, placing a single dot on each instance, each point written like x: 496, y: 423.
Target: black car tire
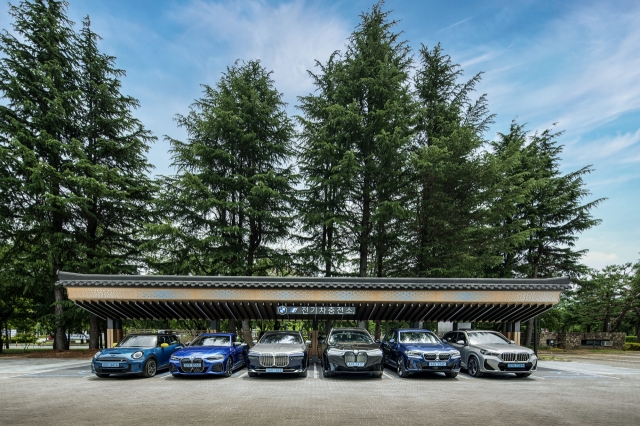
x: 377, y: 374
x: 400, y: 368
x: 326, y: 372
x: 451, y: 374
x: 229, y: 369
x: 522, y: 375
x: 150, y: 368
x: 252, y: 374
x: 473, y: 366
x: 302, y: 374
x: 102, y: 376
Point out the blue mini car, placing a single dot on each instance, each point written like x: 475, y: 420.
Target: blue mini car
x: 210, y: 354
x: 417, y: 350
x: 142, y: 354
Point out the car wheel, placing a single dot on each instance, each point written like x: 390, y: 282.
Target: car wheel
x: 326, y: 371
x: 473, y: 366
x: 252, y: 374
x: 377, y: 374
x: 102, y: 376
x: 302, y: 374
x: 523, y: 374
x: 451, y: 374
x: 229, y: 370
x: 400, y: 368
x: 150, y: 368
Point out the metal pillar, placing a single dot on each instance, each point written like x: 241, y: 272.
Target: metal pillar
x: 214, y: 325
x: 314, y: 342
x: 363, y: 324
x: 415, y: 324
x: 114, y: 331
x: 535, y: 335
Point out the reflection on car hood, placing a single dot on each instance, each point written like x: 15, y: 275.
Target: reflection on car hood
x: 201, y: 351
x: 122, y: 351
x: 498, y: 347
x: 351, y: 346
x: 278, y: 347
x: 427, y: 347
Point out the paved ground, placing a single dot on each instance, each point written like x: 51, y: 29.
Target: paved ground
x: 587, y: 390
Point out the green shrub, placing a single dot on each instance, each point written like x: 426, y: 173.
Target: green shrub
x: 632, y: 347
x: 632, y: 339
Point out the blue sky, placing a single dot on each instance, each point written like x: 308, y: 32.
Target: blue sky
x: 574, y: 63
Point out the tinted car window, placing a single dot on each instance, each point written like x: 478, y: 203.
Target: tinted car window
x: 133, y: 341
x: 418, y: 337
x: 211, y: 341
x: 271, y: 338
x: 350, y: 337
x: 480, y: 337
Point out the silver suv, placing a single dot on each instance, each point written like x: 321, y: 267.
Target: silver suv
x: 485, y: 351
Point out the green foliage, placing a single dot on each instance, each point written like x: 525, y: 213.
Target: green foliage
x: 631, y: 347
x: 631, y: 339
x: 232, y: 199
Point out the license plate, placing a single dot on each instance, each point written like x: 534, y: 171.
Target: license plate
x: 355, y: 364
x: 437, y: 364
x: 110, y: 364
x: 192, y: 365
x: 274, y: 370
x: 515, y: 365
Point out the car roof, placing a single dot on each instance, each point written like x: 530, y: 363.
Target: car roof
x: 217, y: 334
x: 281, y: 331
x: 349, y: 329
x: 412, y: 329
x: 151, y: 334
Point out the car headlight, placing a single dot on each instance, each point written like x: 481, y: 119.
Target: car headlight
x: 174, y: 358
x: 455, y: 354
x: 488, y: 353
x: 215, y: 357
x: 97, y: 355
x: 335, y: 352
x: 137, y: 355
x: 415, y: 354
x: 374, y: 352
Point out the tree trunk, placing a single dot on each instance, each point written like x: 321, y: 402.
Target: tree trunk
x: 246, y: 332
x: 529, y: 336
x: 6, y: 330
x: 94, y: 331
x: 1, y: 338
x: 377, y: 333
x: 60, y: 342
x: 364, y: 236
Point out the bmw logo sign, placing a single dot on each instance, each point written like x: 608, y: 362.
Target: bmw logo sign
x: 282, y: 310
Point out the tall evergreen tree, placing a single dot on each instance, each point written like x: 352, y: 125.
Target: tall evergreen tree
x: 231, y: 201
x: 38, y: 139
x: 358, y: 127
x: 112, y: 176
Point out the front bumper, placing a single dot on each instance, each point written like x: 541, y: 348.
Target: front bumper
x: 297, y: 364
x: 421, y: 365
x: 215, y: 368
x: 125, y: 367
x: 495, y: 365
x: 338, y: 364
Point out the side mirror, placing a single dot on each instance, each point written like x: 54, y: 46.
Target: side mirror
x: 187, y: 344
x: 460, y: 342
x: 377, y: 340
x: 321, y: 341
x: 444, y: 340
x: 254, y: 341
x: 392, y: 341
x: 512, y: 342
x: 164, y: 345
x: 237, y: 343
x: 114, y: 345
x: 307, y: 342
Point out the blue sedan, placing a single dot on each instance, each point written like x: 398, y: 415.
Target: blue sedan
x: 210, y: 354
x: 417, y: 350
x: 142, y: 354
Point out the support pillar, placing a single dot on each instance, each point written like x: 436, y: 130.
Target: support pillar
x: 363, y: 324
x: 512, y: 331
x: 444, y: 327
x: 415, y: 324
x: 214, y: 325
x: 314, y: 342
x: 114, y: 331
x: 535, y: 335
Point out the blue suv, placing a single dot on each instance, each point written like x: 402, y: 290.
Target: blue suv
x: 418, y: 350
x: 142, y: 354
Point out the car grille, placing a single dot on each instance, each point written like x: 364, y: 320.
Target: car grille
x: 111, y: 360
x: 352, y: 357
x: 443, y: 356
x: 512, y: 356
x: 429, y: 356
x: 191, y: 369
x: 271, y: 360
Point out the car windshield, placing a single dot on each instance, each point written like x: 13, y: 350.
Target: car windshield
x: 281, y: 338
x: 211, y: 341
x: 418, y: 337
x: 350, y: 337
x: 133, y: 341
x: 483, y: 337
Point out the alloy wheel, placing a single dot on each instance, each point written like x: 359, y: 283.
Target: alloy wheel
x: 229, y: 371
